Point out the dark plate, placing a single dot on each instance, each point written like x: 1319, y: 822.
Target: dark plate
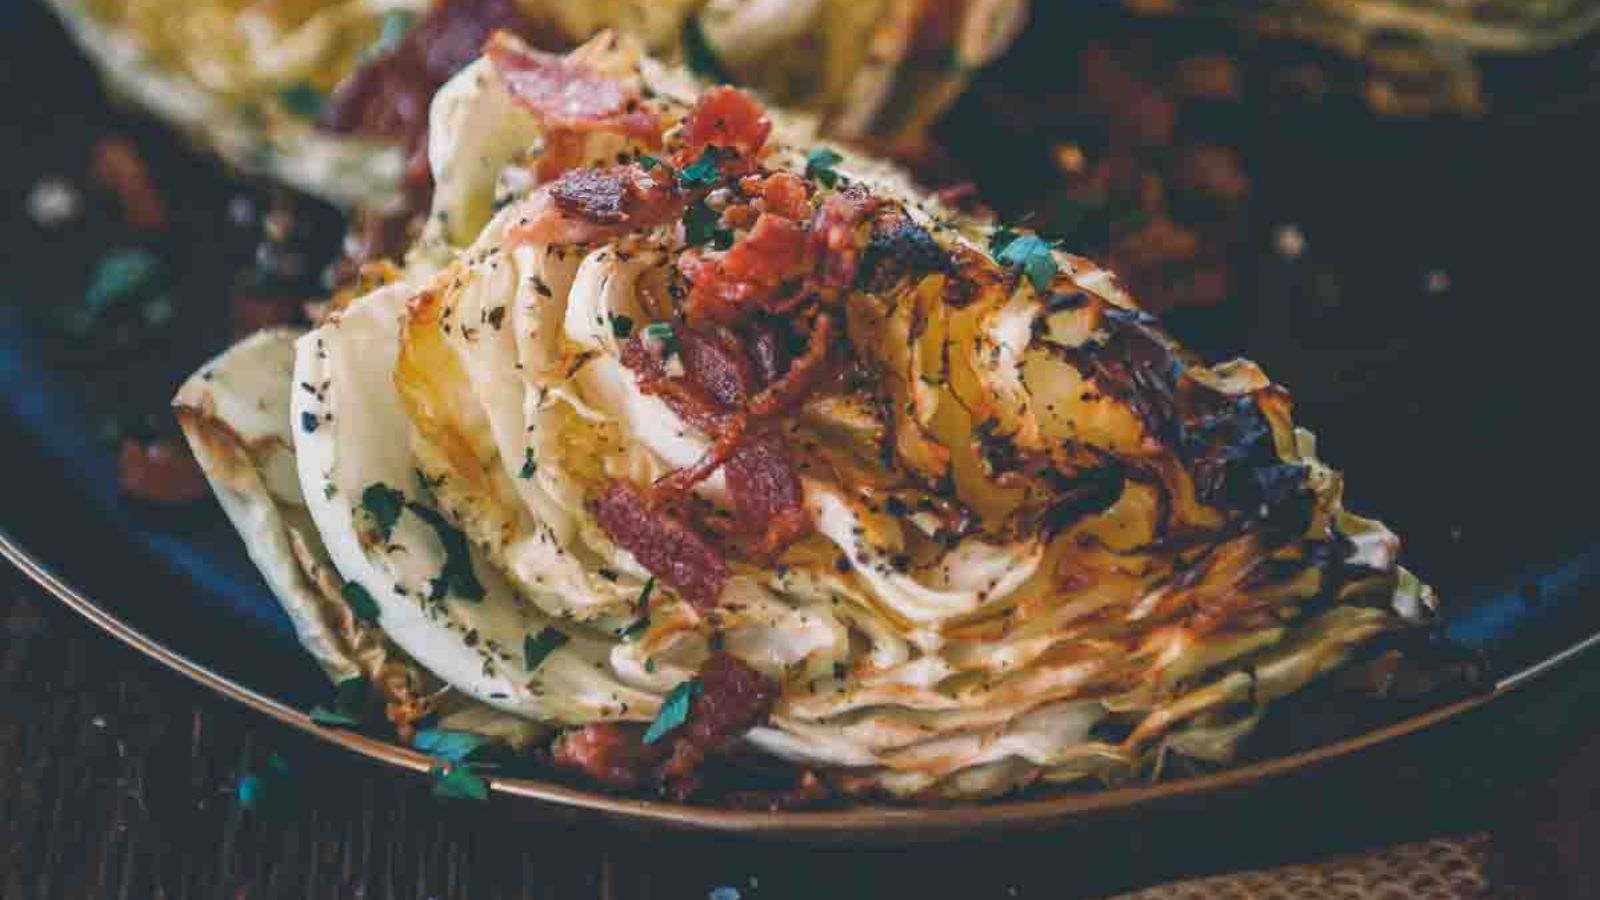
x: 1459, y: 416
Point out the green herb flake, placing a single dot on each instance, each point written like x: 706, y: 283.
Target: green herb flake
x: 648, y: 162
x: 449, y: 746
x: 535, y: 648
x: 674, y: 710
x: 644, y: 595
x: 697, y: 52
x: 819, y: 165
x: 635, y: 630
x: 528, y: 465
x: 1031, y: 254
x: 268, y: 789
x: 661, y: 333
x: 459, y: 783
x: 703, y: 171
x: 119, y: 276
x: 360, y: 601
x: 456, y: 578
x: 303, y: 100
x: 308, y: 422
x: 333, y: 718
x: 621, y: 325
x: 395, y: 24
x: 702, y: 225
x: 383, y: 503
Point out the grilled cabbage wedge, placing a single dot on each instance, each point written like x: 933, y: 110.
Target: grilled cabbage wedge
x: 1039, y: 542
x: 250, y: 79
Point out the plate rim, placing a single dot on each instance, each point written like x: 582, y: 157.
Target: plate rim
x: 903, y: 824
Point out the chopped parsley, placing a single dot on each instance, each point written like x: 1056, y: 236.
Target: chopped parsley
x: 819, y: 165
x: 303, y: 100
x: 120, y: 275
x: 308, y: 422
x: 360, y: 601
x: 459, y: 783
x: 383, y: 504
x: 648, y: 162
x: 528, y: 465
x: 350, y: 700
x: 661, y: 333
x: 267, y: 790
x: 702, y: 225
x: 703, y: 171
x: 674, y: 710
x: 395, y: 24
x: 697, y: 52
x: 449, y: 746
x: 456, y: 578
x: 621, y: 325
x: 1031, y: 255
x: 332, y: 717
x: 642, y: 624
x: 535, y: 648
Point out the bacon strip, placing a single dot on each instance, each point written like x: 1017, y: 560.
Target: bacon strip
x: 767, y: 497
x: 789, y: 389
x: 389, y: 95
x: 733, y: 699
x: 565, y: 94
x: 730, y: 120
x: 588, y: 205
x: 612, y: 753
x: 667, y: 547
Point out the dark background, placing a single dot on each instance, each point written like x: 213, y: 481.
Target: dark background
x: 1461, y: 417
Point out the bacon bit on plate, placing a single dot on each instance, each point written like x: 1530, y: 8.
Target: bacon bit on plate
x: 612, y: 753
x: 159, y: 471
x: 586, y: 205
x: 728, y: 119
x: 666, y: 546
x: 767, y: 497
x: 116, y: 164
x: 733, y: 698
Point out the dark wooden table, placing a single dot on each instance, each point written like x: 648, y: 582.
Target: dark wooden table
x: 118, y: 779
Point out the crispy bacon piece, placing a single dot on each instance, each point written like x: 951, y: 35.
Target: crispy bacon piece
x: 733, y: 699
x: 782, y: 194
x: 805, y: 373
x: 839, y: 236
x: 159, y: 471
x: 667, y: 547
x: 567, y: 95
x: 684, y: 398
x: 115, y: 162
x: 388, y: 96
x: 729, y: 119
x: 767, y: 351
x: 612, y: 753
x: 760, y: 271
x: 588, y: 205
x: 767, y: 497
x: 715, y: 366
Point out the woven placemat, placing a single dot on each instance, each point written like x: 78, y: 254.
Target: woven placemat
x: 1456, y: 868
